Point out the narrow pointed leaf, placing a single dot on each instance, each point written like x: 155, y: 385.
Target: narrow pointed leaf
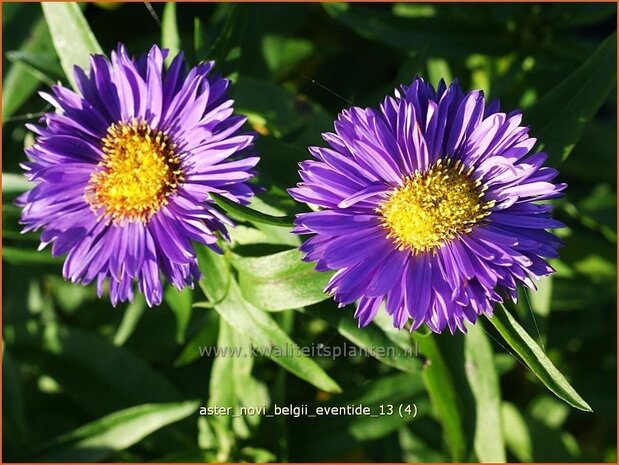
x: 484, y: 382
x: 19, y: 256
x: 559, y: 117
x: 18, y: 83
x: 245, y: 213
x: 130, y: 320
x: 72, y: 37
x: 170, y: 38
x: 115, y: 432
x: 371, y: 338
x: 535, y: 358
x: 440, y: 387
x: 45, y: 68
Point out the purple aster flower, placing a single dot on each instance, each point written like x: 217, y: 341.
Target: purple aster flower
x: 428, y: 205
x: 124, y: 168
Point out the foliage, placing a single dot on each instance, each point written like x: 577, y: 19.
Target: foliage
x: 87, y: 382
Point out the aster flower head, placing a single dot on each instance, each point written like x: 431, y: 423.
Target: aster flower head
x: 430, y: 205
x: 124, y: 168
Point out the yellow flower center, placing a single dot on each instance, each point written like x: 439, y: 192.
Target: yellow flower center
x: 139, y: 170
x: 433, y: 207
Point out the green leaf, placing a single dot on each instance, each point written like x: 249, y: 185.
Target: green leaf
x: 372, y: 338
x: 535, y: 358
x: 11, y: 229
x: 181, y: 304
x: 280, y: 281
x: 131, y: 317
x: 45, y: 68
x: 170, y: 37
x: 72, y: 37
x: 255, y: 455
x: 558, y: 119
x: 244, y: 237
x: 199, y: 39
x: 401, y: 338
x: 549, y: 410
x: 484, y: 382
x: 541, y: 298
x: 438, y: 68
x: 15, y: 183
x: 517, y: 435
x: 17, y: 256
x: 416, y: 450
x: 120, y: 430
x: 245, y: 213
x: 276, y: 234
x: 223, y: 35
x: 530, y: 440
x: 226, y: 391
x: 216, y: 274
x: 222, y: 393
x: 265, y: 333
x: 284, y: 54
x: 440, y: 387
x: 260, y: 328
x: 18, y: 83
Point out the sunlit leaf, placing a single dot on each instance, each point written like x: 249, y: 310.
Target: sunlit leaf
x: 284, y: 54
x: 541, y: 299
x: 440, y: 387
x: 25, y: 30
x: 14, y: 183
x: 484, y: 383
x: 416, y: 450
x: 266, y: 335
x: 245, y: 213
x: 45, y: 68
x: 529, y: 440
x: 226, y: 391
x: 114, y: 432
x: 170, y: 38
x: 18, y: 256
x: 280, y: 281
x: 71, y: 34
x: 131, y: 318
x: 535, y: 358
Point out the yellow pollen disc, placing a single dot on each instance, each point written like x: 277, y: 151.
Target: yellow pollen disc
x: 139, y: 170
x: 433, y: 207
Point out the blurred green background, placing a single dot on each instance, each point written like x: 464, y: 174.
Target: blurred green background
x: 85, y: 381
